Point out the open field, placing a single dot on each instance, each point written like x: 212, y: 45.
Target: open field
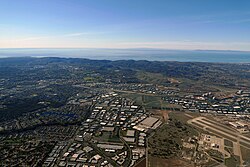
x: 167, y: 142
x: 133, y: 96
x: 212, y: 163
x: 108, y: 137
x: 150, y: 101
x: 153, y: 77
x: 183, y: 116
x: 142, y: 163
x: 247, y: 134
x: 162, y: 114
x: 232, y: 161
x: 171, y: 162
x: 228, y: 143
x: 245, y: 154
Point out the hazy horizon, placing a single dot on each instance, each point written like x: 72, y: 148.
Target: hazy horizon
x: 223, y: 56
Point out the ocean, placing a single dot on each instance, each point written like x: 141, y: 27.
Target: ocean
x: 135, y: 54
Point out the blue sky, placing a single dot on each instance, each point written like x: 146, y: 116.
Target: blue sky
x: 167, y: 24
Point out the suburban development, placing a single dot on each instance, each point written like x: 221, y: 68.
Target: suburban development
x: 77, y: 115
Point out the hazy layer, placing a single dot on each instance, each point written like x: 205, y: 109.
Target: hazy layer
x: 135, y: 54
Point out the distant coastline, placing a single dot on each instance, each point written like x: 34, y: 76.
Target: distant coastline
x: 215, y: 56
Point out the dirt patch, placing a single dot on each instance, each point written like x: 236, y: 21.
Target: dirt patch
x: 141, y: 164
x: 174, y: 81
x: 172, y: 162
x: 223, y: 95
x: 163, y: 114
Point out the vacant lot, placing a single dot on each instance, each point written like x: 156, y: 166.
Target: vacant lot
x: 245, y: 154
x: 167, y: 140
x: 228, y: 143
x: 149, y: 101
x: 162, y: 114
x: 233, y: 161
x: 172, y: 162
x: 183, y: 116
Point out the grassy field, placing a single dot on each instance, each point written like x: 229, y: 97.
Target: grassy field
x: 154, y: 78
x: 245, y: 154
x: 232, y: 161
x: 133, y: 96
x: 229, y: 150
x: 245, y: 144
x: 149, y: 101
x: 108, y: 137
x: 218, y: 156
x: 247, y: 135
x: 228, y: 143
x: 183, y: 116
